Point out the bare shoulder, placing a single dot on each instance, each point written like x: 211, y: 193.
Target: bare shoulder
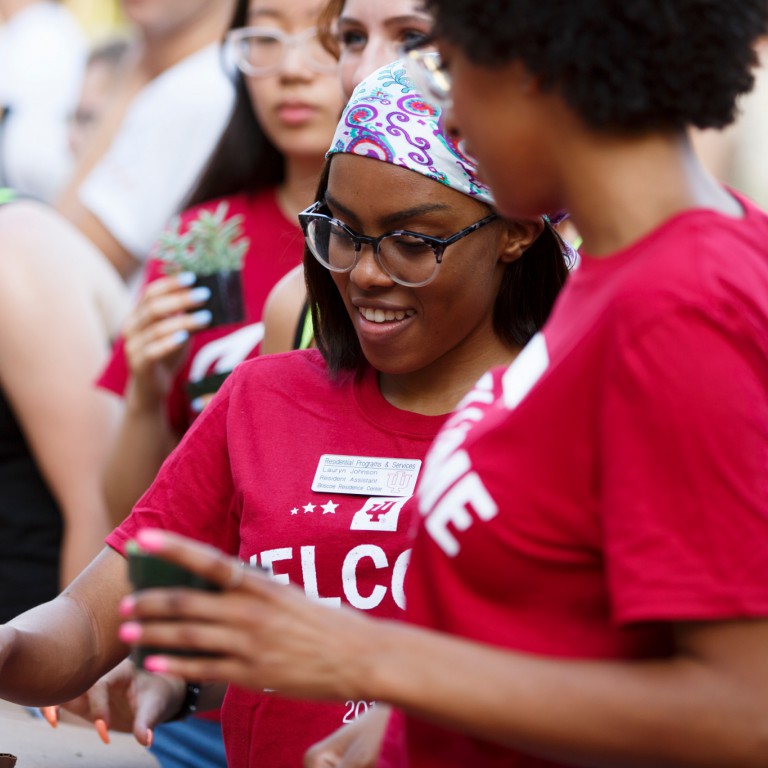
x: 282, y: 311
x: 288, y: 294
x: 43, y: 254
x: 43, y: 233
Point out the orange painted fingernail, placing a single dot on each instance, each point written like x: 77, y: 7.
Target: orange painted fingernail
x: 101, y: 729
x: 150, y: 738
x: 51, y: 714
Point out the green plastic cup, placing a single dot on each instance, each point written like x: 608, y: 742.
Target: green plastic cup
x: 147, y: 571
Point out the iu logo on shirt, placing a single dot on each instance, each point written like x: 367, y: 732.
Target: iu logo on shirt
x: 378, y: 514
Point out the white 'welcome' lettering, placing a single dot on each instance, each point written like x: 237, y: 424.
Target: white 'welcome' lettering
x: 392, y: 579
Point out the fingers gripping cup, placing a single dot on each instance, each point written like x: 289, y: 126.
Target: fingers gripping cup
x: 147, y: 571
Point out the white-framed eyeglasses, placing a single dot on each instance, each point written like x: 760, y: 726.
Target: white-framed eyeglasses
x: 429, y: 76
x: 261, y: 51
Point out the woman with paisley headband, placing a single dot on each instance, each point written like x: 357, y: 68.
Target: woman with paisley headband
x: 363, y: 35
x: 305, y: 463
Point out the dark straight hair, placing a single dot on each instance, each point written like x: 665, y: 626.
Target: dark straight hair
x: 527, y: 291
x: 244, y: 160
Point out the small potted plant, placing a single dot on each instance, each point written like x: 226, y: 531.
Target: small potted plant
x: 213, y: 248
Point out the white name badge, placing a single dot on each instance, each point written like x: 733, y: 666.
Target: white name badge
x: 366, y: 475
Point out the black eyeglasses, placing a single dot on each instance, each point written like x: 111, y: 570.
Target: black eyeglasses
x: 408, y: 258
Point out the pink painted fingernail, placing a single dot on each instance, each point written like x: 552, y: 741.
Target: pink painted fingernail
x: 129, y: 632
x: 150, y: 738
x: 151, y: 539
x: 127, y: 605
x: 156, y: 664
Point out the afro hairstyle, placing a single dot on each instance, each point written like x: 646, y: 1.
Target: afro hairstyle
x: 622, y: 65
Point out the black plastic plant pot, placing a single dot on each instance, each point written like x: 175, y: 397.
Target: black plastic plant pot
x: 226, y: 304
x: 147, y: 572
x: 208, y: 385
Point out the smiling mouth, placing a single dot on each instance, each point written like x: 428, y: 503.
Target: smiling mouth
x: 385, y: 315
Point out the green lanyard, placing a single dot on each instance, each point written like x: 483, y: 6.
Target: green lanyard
x: 6, y: 195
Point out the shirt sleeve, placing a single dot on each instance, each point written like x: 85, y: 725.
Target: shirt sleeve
x: 193, y: 493
x: 114, y: 377
x: 685, y: 472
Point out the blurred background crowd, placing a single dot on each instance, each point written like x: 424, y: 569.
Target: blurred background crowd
x: 738, y: 155
x: 99, y: 18
x: 99, y: 31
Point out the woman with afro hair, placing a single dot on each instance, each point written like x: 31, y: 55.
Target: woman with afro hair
x: 589, y: 583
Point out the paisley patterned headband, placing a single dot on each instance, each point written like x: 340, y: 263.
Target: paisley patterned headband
x: 387, y: 119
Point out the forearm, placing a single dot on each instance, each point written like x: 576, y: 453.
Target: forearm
x: 73, y: 467
x: 41, y: 669
x: 143, y: 442
x: 85, y: 516
x: 676, y: 712
x: 54, y: 652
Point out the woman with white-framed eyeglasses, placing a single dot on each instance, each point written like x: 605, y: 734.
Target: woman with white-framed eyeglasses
x: 305, y: 463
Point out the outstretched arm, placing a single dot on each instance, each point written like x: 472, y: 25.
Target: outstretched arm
x: 703, y: 706
x: 56, y: 651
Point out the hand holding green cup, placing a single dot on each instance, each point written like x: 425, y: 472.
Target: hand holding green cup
x: 147, y: 571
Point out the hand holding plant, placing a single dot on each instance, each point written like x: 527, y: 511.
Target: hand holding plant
x: 213, y: 248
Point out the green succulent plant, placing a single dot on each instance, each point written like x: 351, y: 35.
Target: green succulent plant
x: 211, y: 244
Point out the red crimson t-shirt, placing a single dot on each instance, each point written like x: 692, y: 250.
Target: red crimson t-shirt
x: 242, y: 479
x: 621, y: 482
x: 276, y: 246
